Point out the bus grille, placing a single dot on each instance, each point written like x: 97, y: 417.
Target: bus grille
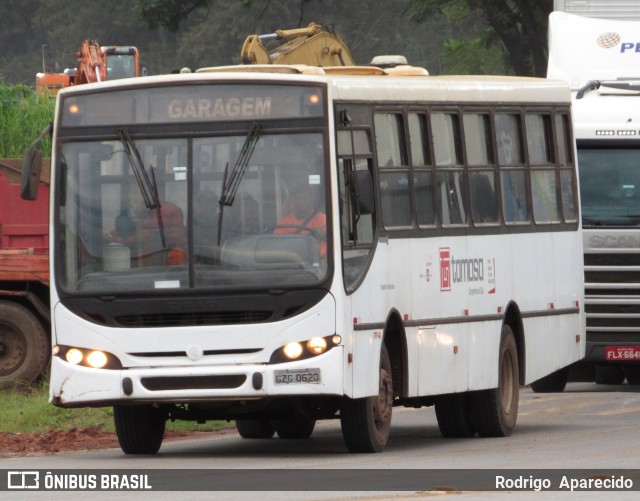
x: 199, y: 318
x: 192, y: 382
x: 612, y: 297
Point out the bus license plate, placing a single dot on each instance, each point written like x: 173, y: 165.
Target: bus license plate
x: 621, y: 353
x: 302, y: 376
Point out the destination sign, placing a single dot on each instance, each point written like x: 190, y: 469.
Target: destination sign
x: 191, y: 103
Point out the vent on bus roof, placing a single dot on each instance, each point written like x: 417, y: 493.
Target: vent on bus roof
x: 382, y: 68
x: 299, y: 69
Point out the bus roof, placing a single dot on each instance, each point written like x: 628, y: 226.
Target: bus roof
x: 366, y: 83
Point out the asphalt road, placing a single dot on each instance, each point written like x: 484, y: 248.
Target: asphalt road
x: 587, y: 428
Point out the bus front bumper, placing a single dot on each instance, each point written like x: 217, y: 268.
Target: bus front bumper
x: 78, y: 386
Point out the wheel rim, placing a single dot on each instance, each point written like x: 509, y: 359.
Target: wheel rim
x: 13, y: 349
x: 506, y: 383
x: 383, y: 405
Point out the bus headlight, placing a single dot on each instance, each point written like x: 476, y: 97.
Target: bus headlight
x: 299, y: 350
x: 74, y: 356
x: 95, y: 359
x: 317, y: 345
x: 293, y: 350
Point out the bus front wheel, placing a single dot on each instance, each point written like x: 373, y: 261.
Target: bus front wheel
x: 495, y: 411
x: 366, y: 422
x: 299, y: 428
x: 255, y: 428
x: 140, y: 428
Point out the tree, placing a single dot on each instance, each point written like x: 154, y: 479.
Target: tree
x: 520, y: 25
x: 167, y: 13
x: 213, y: 30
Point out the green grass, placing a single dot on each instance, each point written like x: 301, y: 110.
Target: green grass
x: 27, y: 410
x: 23, y: 115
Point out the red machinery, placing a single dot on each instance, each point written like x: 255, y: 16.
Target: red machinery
x: 24, y: 278
x: 94, y: 64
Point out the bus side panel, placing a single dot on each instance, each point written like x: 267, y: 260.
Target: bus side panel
x: 446, y: 354
x: 553, y: 342
x: 366, y: 361
x: 385, y: 289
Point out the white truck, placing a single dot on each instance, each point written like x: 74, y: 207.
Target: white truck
x: 595, y: 47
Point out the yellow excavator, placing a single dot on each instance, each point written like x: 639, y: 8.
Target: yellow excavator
x: 313, y: 46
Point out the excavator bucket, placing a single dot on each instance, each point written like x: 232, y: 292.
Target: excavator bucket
x: 312, y: 46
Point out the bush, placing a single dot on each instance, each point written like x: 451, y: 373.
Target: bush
x: 23, y: 115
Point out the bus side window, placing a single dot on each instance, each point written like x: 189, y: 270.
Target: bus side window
x: 480, y: 158
x: 483, y: 197
x: 356, y: 230
x: 394, y: 170
x: 513, y: 182
x: 514, y: 195
x: 445, y: 128
x: 565, y: 159
x: 543, y: 172
x: 422, y: 169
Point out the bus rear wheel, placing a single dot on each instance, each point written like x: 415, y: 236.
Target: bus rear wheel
x: 495, y: 411
x: 366, y: 422
x: 454, y: 416
x: 140, y: 428
x: 553, y: 383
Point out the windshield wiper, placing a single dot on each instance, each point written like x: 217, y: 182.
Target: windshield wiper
x: 147, y: 184
x: 231, y: 180
x: 592, y: 221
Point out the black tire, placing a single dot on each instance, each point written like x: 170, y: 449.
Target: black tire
x: 140, y: 428
x: 24, y: 345
x: 255, y: 428
x: 632, y: 372
x: 555, y: 382
x: 609, y: 374
x: 454, y: 416
x: 294, y: 428
x: 366, y: 422
x: 495, y: 411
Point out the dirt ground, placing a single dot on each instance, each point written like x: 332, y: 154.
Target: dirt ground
x: 30, y: 444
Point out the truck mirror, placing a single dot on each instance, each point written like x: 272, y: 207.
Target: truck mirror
x: 30, y: 178
x: 361, y: 190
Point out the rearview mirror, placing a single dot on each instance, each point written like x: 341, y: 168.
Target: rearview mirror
x: 361, y: 192
x: 30, y: 178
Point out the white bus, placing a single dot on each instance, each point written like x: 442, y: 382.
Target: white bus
x: 278, y: 245
x: 600, y: 59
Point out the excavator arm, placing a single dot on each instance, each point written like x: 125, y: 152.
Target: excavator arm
x: 312, y: 46
x: 91, y: 65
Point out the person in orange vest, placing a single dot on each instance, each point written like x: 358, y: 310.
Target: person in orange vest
x: 305, y: 218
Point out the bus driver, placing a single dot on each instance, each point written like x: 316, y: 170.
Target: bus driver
x: 305, y: 218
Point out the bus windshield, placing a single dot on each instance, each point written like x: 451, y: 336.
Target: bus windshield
x: 220, y: 212
x: 610, y: 186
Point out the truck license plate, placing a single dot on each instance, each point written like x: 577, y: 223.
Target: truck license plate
x: 622, y: 353
x: 300, y: 376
